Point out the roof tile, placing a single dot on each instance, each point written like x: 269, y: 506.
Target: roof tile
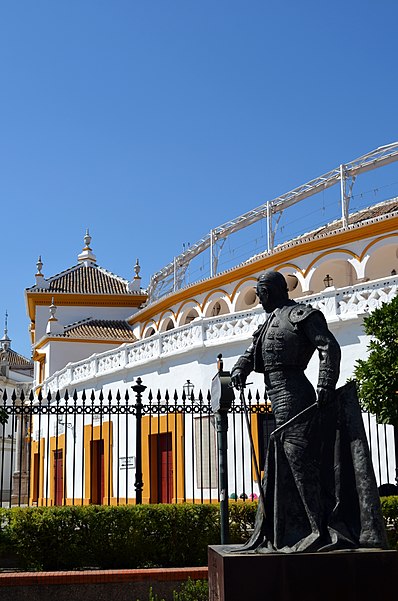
x: 100, y: 329
x: 88, y: 280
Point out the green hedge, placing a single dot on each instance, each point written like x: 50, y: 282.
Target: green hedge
x: 389, y: 506
x: 191, y: 590
x: 133, y: 536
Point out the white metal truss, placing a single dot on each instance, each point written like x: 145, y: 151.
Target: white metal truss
x: 171, y: 277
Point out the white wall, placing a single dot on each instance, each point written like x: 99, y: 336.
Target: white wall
x: 69, y: 315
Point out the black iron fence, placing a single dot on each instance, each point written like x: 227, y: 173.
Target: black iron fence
x: 140, y: 447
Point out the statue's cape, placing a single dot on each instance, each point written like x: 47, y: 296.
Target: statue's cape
x: 319, y: 488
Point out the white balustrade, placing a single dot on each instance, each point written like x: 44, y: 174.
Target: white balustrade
x: 143, y: 351
x: 111, y: 361
x: 340, y: 304
x: 181, y: 339
x: 366, y: 299
x: 81, y: 371
x: 233, y: 325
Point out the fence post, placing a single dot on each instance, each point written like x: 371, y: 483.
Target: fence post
x: 396, y: 453
x: 222, y: 396
x: 138, y: 483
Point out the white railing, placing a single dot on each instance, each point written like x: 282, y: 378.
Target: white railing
x: 336, y: 304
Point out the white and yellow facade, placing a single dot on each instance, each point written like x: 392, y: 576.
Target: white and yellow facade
x: 345, y: 272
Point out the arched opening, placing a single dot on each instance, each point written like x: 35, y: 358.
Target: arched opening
x: 149, y: 332
x: 189, y: 317
x: 217, y: 307
x: 292, y: 281
x: 170, y: 325
x: 336, y: 273
x: 382, y: 262
x: 167, y: 324
x: 247, y: 298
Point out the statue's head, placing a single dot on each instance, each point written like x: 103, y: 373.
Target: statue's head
x: 272, y: 290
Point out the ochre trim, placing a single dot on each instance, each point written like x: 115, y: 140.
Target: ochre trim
x: 208, y: 296
x: 146, y: 325
x: 190, y: 300
x: 40, y: 358
x: 65, y: 299
x: 93, y: 433
x: 168, y: 312
x: 376, y: 241
x: 334, y: 251
x: 115, y: 342
x: 56, y: 445
x: 273, y: 261
x: 290, y: 266
x: 240, y: 284
x: 151, y: 427
x: 39, y: 500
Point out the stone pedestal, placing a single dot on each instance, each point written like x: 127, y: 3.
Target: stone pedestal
x: 362, y: 575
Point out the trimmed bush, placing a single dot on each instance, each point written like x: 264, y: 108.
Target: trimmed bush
x: 389, y: 506
x: 241, y: 520
x: 131, y: 536
x: 55, y: 538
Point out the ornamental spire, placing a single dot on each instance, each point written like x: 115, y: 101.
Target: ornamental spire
x: 53, y: 325
x: 5, y: 342
x: 87, y: 256
x: 134, y: 285
x: 40, y: 279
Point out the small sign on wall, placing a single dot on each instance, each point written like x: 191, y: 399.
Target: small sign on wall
x: 127, y: 463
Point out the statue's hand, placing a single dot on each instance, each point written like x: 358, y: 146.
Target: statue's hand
x: 238, y: 379
x: 324, y: 396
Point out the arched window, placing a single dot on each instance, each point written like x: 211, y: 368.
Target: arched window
x: 217, y: 306
x: 190, y: 316
x: 247, y: 298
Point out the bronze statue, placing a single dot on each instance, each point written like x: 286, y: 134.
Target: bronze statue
x: 319, y: 490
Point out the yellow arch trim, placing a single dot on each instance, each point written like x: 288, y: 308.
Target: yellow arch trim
x: 235, y: 290
x: 146, y: 324
x: 333, y: 251
x: 291, y: 266
x: 190, y: 300
x: 365, y: 250
x: 163, y: 314
x: 286, y: 254
x: 210, y: 294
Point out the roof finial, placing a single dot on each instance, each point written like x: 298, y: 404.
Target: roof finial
x: 39, y: 266
x: 137, y: 269
x: 53, y: 325
x: 41, y: 282
x: 87, y: 240
x: 87, y: 256
x: 5, y: 341
x: 53, y: 310
x: 134, y: 285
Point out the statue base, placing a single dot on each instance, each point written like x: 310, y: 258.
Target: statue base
x: 360, y: 575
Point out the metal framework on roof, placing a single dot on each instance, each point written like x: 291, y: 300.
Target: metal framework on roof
x: 171, y: 277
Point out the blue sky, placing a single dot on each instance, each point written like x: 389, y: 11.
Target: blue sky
x: 152, y: 121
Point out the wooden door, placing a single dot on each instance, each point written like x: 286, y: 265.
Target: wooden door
x: 165, y: 467
x: 97, y: 472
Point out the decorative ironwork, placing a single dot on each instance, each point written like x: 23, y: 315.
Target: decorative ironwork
x: 88, y: 434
